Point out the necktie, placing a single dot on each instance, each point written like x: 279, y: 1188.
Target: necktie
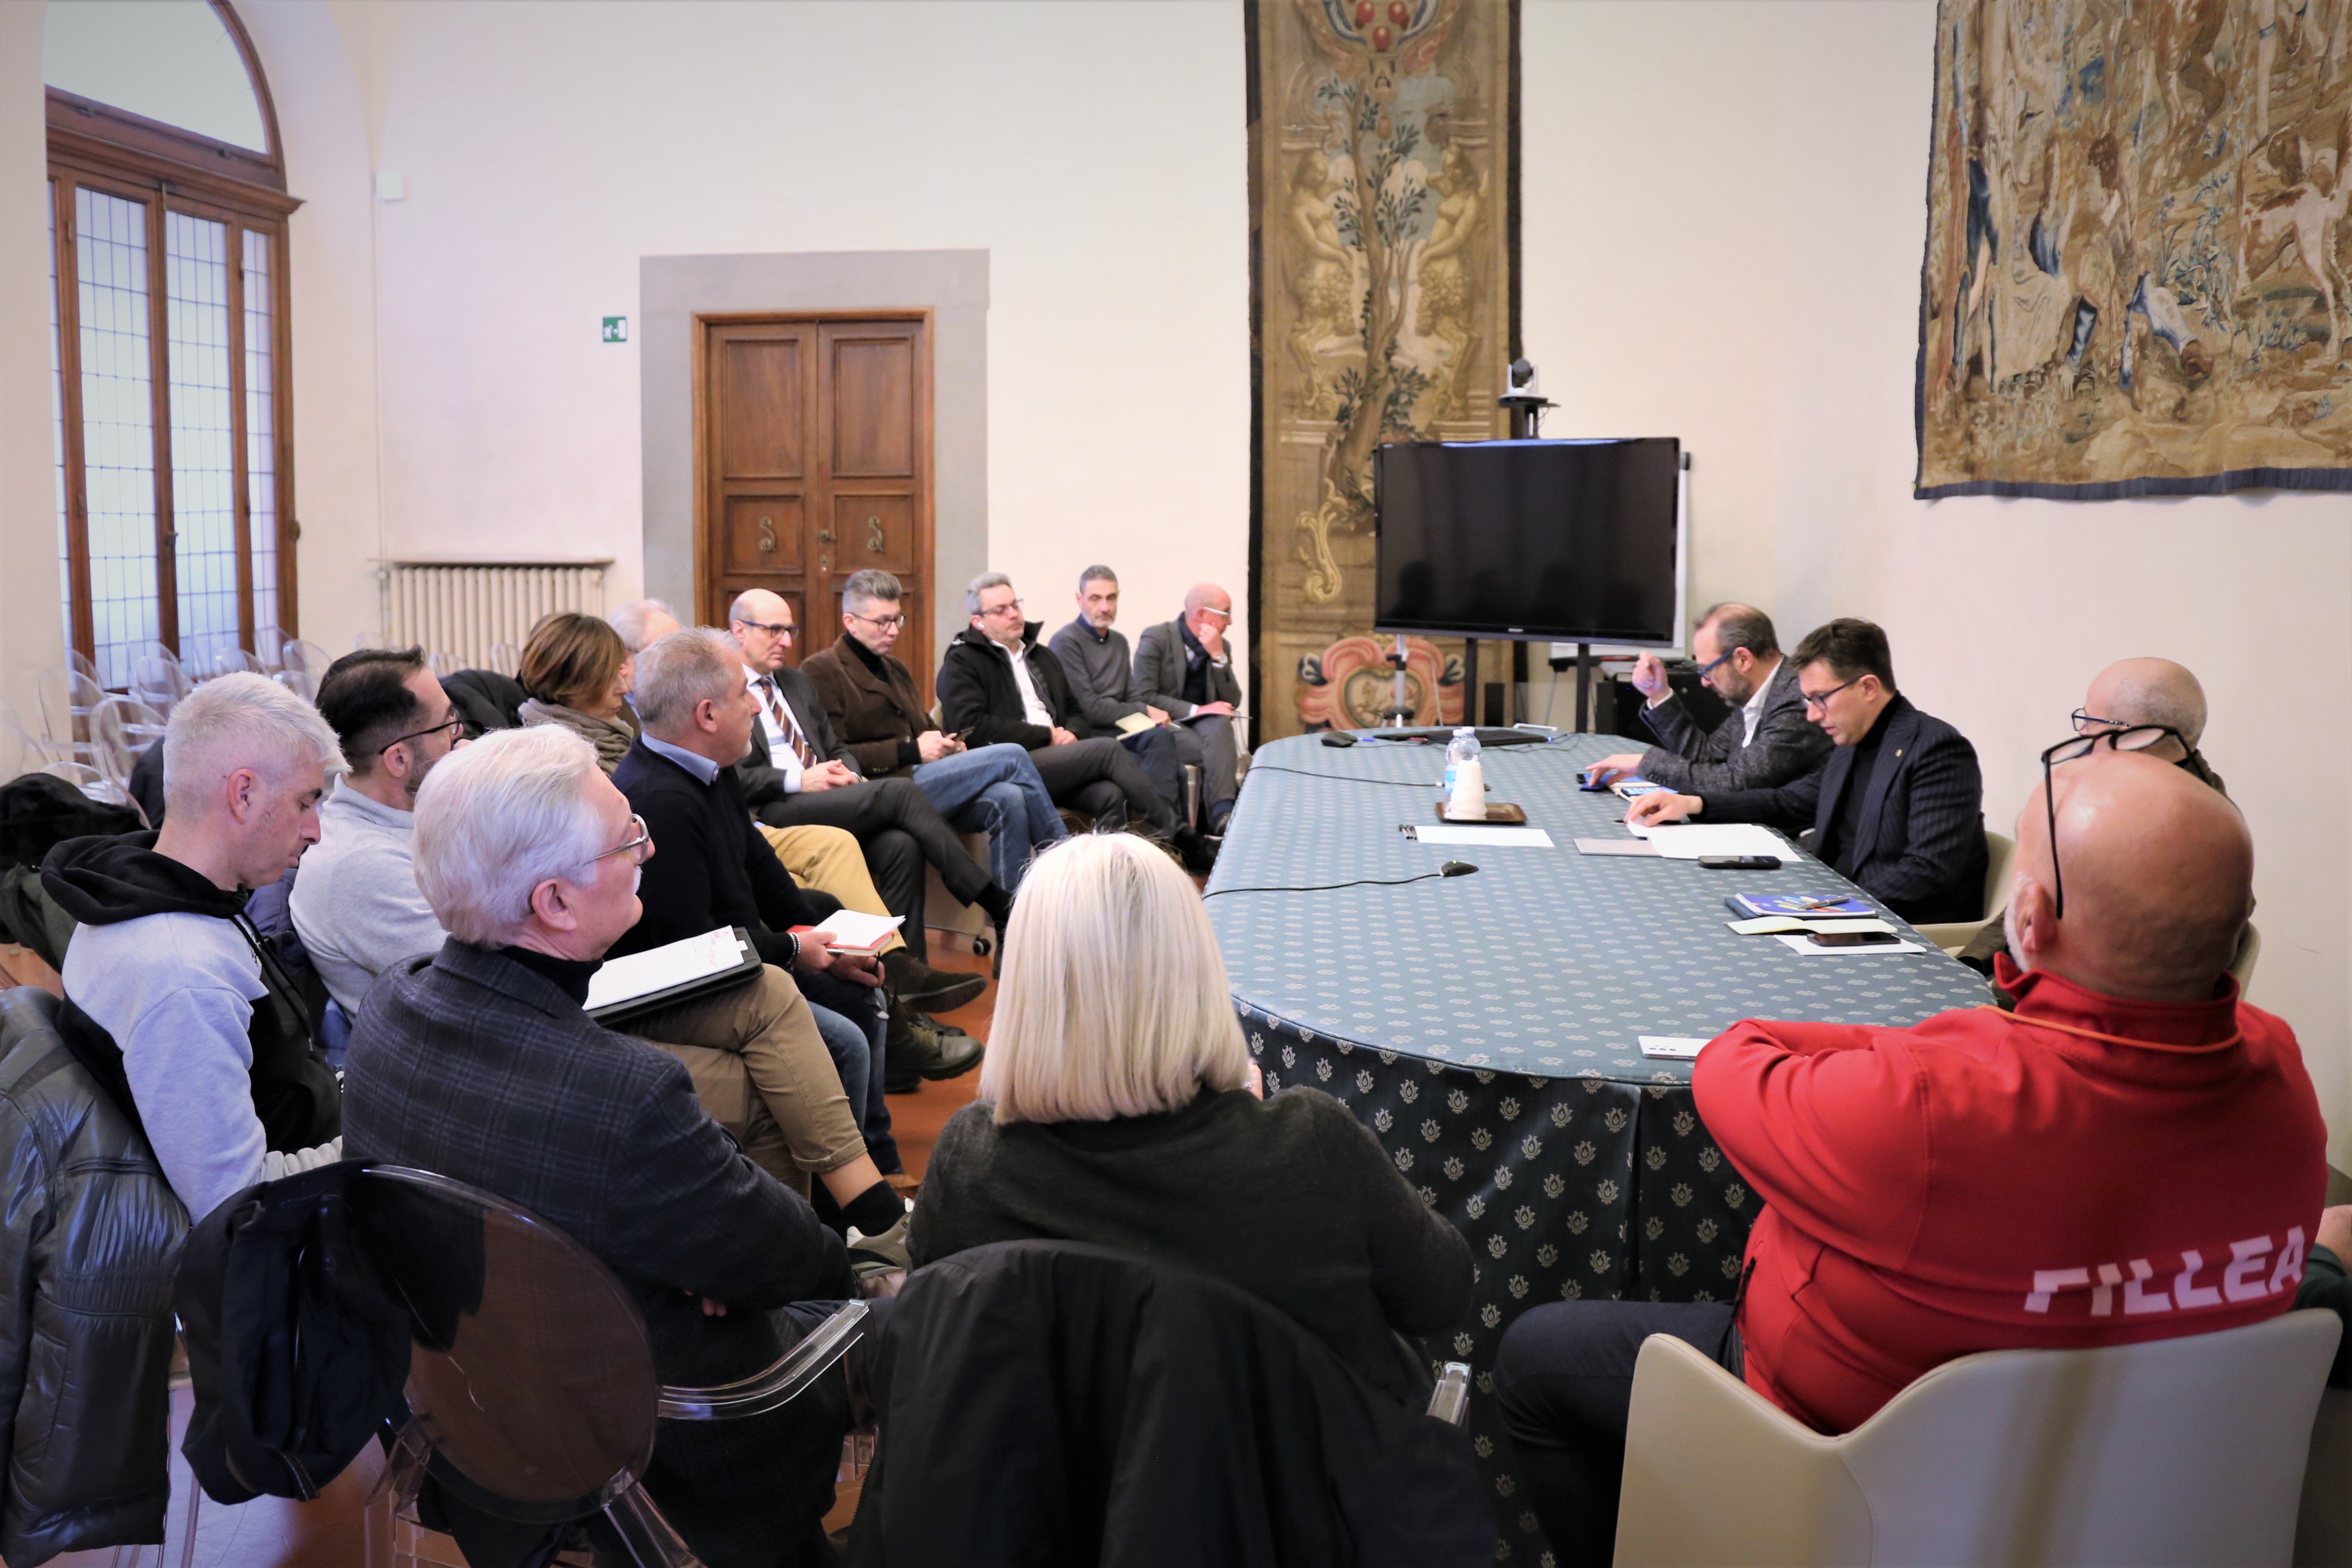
x: 784, y: 721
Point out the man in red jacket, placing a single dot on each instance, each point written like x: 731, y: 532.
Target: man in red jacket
x: 2133, y: 1154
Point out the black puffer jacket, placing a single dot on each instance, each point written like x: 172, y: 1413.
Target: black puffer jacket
x: 977, y: 691
x: 89, y: 1235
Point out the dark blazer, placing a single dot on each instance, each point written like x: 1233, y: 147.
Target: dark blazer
x: 1160, y: 671
x: 711, y: 868
x: 756, y: 775
x: 1921, y: 846
x: 870, y: 705
x: 977, y: 691
x: 1786, y: 743
x: 474, y: 1066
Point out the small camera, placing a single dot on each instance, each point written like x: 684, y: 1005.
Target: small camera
x: 1519, y: 380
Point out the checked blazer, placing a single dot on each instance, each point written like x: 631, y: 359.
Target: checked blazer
x: 474, y: 1066
x: 1921, y: 846
x: 1695, y: 761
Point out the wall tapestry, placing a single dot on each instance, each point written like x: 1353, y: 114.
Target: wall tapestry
x: 1383, y: 232
x: 2133, y: 282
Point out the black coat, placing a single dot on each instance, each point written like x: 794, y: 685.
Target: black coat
x: 474, y: 1066
x: 762, y: 781
x: 977, y: 691
x: 711, y: 868
x: 1055, y: 1402
x: 1921, y: 846
x: 88, y: 1238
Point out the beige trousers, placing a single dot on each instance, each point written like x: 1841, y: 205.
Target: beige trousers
x: 828, y: 859
x: 761, y: 1072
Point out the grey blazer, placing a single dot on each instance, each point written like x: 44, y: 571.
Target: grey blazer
x: 1687, y: 758
x: 1159, y: 671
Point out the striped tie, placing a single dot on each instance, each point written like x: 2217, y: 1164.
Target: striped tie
x: 783, y: 717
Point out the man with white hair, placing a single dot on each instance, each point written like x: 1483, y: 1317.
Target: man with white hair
x: 481, y: 1064
x: 644, y: 622
x: 173, y: 1001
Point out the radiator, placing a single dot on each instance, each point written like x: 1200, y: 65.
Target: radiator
x: 479, y: 613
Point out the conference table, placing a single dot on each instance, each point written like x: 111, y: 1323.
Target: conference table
x: 1485, y: 1027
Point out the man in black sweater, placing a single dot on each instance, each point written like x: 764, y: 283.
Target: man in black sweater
x: 715, y: 870
x: 997, y: 684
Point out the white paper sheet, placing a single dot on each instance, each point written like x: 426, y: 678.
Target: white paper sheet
x: 1681, y: 842
x: 1674, y: 1047
x: 1458, y: 833
x: 659, y: 968
x: 1803, y: 944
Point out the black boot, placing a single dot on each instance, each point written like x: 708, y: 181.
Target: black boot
x: 1200, y: 856
x: 926, y: 1049
x: 914, y: 984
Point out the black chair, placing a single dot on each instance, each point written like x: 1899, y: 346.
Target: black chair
x: 531, y: 1391
x: 1047, y: 1403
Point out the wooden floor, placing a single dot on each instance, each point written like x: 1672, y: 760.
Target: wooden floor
x: 335, y: 1531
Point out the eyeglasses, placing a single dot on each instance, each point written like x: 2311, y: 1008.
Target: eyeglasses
x: 1224, y: 615
x: 453, y: 727
x: 1821, y: 700
x: 639, y: 837
x: 2084, y: 720
x: 1010, y: 607
x: 1711, y: 665
x: 781, y: 629
x: 2135, y: 738
x: 885, y: 622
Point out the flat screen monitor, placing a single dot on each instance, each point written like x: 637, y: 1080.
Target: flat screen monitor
x: 1551, y: 541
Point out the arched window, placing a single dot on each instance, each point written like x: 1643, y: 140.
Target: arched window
x: 167, y: 220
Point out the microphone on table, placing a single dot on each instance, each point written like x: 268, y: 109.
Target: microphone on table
x: 1456, y: 868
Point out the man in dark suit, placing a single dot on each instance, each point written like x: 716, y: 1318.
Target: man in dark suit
x: 1897, y: 807
x: 1185, y: 668
x: 1766, y: 740
x: 481, y: 1064
x: 997, y: 683
x: 799, y: 775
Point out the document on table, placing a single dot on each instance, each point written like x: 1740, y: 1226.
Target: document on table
x: 1487, y: 837
x: 1674, y: 1047
x: 1782, y: 925
x: 1689, y: 842
x: 1804, y: 945
x: 1615, y: 847
x: 620, y: 979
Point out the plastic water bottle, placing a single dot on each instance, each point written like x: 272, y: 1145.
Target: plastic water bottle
x: 1464, y: 749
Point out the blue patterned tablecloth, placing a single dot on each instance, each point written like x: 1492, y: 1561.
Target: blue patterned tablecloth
x: 1485, y: 1027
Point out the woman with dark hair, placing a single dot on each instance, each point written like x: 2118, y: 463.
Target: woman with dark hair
x: 578, y: 671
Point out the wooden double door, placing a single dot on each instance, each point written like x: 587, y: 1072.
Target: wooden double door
x: 815, y: 462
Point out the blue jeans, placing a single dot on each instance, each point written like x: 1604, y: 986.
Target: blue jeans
x: 851, y: 1020
x: 995, y: 790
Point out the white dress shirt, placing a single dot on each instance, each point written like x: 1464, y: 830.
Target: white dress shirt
x: 769, y: 697
x: 1033, y: 707
x: 1751, y: 712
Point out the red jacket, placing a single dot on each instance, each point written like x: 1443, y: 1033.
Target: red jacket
x: 1981, y: 1181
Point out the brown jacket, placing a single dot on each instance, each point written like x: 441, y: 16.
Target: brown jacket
x: 874, y: 713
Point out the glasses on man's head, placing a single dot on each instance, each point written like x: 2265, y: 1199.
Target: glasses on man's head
x: 1225, y: 615
x: 2129, y: 738
x: 775, y: 629
x: 2086, y: 722
x: 883, y: 621
x: 1821, y: 699
x: 1010, y: 607
x: 455, y: 728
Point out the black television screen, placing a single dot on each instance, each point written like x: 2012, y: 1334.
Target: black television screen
x: 1558, y: 540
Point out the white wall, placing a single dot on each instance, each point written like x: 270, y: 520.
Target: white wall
x: 1096, y: 150
x: 1725, y: 217
x: 31, y: 635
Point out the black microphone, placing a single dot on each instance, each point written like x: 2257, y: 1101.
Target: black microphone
x: 1456, y: 868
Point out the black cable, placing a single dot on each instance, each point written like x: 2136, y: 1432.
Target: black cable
x: 1451, y: 869
x: 1429, y: 788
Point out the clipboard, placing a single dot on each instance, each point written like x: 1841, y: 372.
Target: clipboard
x: 658, y: 960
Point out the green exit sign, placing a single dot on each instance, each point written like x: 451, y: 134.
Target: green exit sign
x: 616, y: 329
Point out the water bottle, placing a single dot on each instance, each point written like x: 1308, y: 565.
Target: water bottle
x: 1463, y: 749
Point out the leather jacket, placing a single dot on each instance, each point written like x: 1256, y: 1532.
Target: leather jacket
x: 90, y: 1237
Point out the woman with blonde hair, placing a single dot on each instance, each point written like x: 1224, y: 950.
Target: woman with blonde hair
x: 1119, y: 1107
x: 578, y: 670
